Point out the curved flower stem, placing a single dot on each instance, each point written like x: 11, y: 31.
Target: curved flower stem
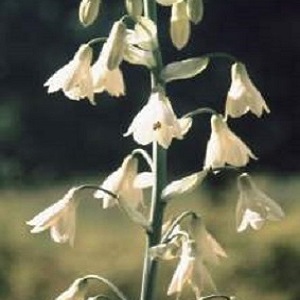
x: 216, y: 297
x: 227, y: 168
x: 145, y: 155
x: 177, y: 221
x: 225, y: 55
x: 100, y: 296
x: 97, y: 40
x: 95, y: 187
x: 108, y: 283
x: 200, y: 111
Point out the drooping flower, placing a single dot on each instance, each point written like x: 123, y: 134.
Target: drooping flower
x: 243, y: 95
x: 75, y: 78
x: 184, y: 271
x: 224, y: 147
x: 158, y: 122
x: 254, y: 207
x: 106, y: 73
x: 122, y: 183
x: 59, y: 218
x: 107, y: 80
x: 141, y: 42
x: 190, y: 270
x: 116, y: 45
x: 76, y: 291
x: 179, y: 25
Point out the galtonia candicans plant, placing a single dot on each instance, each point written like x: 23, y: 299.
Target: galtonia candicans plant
x: 133, y: 38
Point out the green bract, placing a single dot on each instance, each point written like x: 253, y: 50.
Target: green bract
x: 184, y: 69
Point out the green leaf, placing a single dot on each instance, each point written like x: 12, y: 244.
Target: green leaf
x: 184, y: 69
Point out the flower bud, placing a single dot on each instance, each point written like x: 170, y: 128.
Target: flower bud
x: 180, y: 25
x: 88, y: 11
x: 116, y: 45
x: 195, y: 10
x: 134, y: 7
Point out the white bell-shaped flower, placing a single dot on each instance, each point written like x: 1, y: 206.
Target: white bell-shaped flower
x: 107, y: 80
x: 122, y: 183
x: 254, y: 207
x: 75, y: 78
x: 184, y: 271
x: 76, y: 291
x: 59, y: 217
x: 190, y: 270
x: 243, y: 95
x: 158, y: 122
x: 224, y: 147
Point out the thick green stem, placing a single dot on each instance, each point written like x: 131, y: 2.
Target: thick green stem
x: 156, y: 218
x: 160, y: 174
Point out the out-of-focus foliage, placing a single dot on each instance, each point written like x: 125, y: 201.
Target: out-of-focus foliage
x: 261, y: 265
x: 44, y: 136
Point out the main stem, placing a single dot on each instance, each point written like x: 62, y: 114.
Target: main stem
x: 160, y: 174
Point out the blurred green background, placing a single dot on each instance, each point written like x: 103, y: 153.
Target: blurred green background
x: 49, y: 143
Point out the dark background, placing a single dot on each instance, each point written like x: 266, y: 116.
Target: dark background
x: 45, y: 137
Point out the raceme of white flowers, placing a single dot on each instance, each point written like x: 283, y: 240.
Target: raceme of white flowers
x: 254, y: 207
x: 134, y: 39
x: 196, y: 251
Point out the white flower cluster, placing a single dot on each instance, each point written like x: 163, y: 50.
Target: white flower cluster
x: 81, y: 78
x: 196, y: 251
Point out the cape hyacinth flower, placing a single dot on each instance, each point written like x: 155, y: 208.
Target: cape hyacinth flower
x: 184, y: 270
x: 104, y: 79
x: 254, y: 207
x: 106, y: 73
x: 158, y: 122
x: 224, y: 147
x: 75, y: 78
x: 76, y: 291
x: 122, y: 183
x: 59, y: 218
x: 243, y: 95
x: 190, y: 270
